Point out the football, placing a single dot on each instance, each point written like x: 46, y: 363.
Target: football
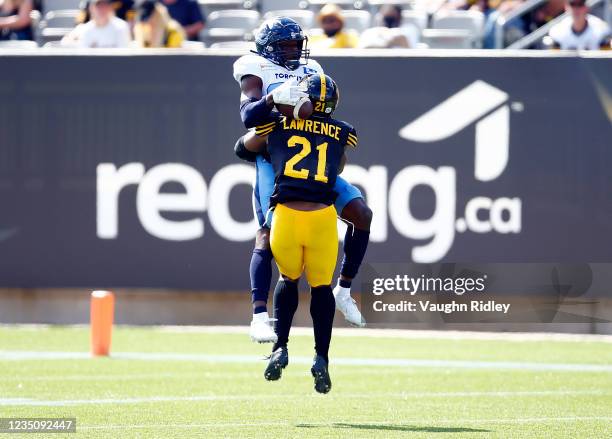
x: 303, y: 109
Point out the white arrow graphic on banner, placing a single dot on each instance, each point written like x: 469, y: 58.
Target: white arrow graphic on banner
x: 462, y: 109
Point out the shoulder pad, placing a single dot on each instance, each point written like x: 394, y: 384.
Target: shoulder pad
x: 248, y: 65
x: 314, y: 64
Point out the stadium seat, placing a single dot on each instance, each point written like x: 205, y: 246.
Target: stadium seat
x: 472, y: 21
x: 374, y: 5
x: 35, y: 18
x: 61, y: 18
x: 357, y: 20
x: 429, y: 6
x: 242, y: 45
x: 58, y: 45
x: 304, y: 17
x: 18, y: 44
x: 58, y: 5
x: 233, y: 19
x: 447, y: 38
x: 209, y: 6
x: 56, y: 24
x: 53, y: 34
x: 417, y: 18
x: 193, y: 45
x: 316, y: 5
x: 230, y: 25
x: 405, y: 4
x: 218, y: 35
x: 275, y: 5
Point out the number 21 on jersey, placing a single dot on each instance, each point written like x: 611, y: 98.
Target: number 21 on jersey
x: 302, y: 173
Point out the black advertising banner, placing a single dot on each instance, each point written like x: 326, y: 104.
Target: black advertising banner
x: 119, y: 170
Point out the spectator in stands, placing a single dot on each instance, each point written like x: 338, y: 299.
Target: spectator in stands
x: 492, y: 11
x: 514, y: 29
x: 334, y: 37
x: 124, y: 9
x: 15, y: 21
x: 391, y: 34
x: 188, y: 15
x: 155, y: 28
x: 84, y: 16
x: 579, y: 31
x: 543, y: 14
x: 104, y: 30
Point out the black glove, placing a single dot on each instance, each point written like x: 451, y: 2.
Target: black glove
x: 244, y: 153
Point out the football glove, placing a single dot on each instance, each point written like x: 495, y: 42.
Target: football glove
x: 289, y: 93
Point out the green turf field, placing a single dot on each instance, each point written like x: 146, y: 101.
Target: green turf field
x: 447, y: 389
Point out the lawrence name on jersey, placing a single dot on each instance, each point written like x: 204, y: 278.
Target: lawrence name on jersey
x: 270, y: 77
x: 307, y: 156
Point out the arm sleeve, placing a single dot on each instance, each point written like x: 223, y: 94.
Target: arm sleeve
x: 266, y: 128
x: 254, y: 112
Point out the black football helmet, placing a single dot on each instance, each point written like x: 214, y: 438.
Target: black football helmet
x: 273, y: 33
x: 323, y: 93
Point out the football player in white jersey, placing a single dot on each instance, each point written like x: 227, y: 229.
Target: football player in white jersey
x: 579, y: 31
x: 268, y: 77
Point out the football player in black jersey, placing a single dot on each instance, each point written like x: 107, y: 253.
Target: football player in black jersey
x: 307, y: 156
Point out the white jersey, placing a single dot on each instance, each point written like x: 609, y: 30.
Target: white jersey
x: 116, y: 33
x: 271, y: 75
x: 593, y: 37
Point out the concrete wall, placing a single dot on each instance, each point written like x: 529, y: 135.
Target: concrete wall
x: 171, y: 307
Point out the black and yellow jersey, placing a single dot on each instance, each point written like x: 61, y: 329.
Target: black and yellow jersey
x: 306, y: 155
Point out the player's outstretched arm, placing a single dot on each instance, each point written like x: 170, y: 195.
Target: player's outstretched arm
x: 256, y: 108
x: 254, y: 142
x: 249, y: 145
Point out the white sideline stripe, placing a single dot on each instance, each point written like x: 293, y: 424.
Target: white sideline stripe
x: 414, y: 422
x: 383, y: 362
x: 356, y: 332
x: 156, y: 399
x: 182, y: 375
x: 118, y: 377
x: 403, y: 333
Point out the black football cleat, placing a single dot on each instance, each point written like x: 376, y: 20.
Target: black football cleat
x: 278, y: 361
x: 322, y: 381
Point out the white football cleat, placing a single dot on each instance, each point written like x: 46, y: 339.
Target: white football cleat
x: 347, y: 306
x: 261, y: 329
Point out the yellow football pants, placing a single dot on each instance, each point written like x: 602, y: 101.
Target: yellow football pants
x: 305, y: 241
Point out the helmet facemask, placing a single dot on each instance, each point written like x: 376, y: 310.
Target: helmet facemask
x: 284, y: 54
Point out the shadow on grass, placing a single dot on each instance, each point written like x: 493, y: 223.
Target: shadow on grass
x: 392, y: 427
